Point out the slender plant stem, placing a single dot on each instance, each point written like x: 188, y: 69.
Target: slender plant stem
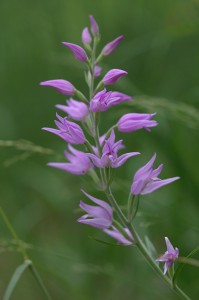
x: 142, y: 248
x: 13, y: 234
x: 24, y: 253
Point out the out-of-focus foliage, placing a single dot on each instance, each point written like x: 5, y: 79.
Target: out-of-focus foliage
x: 160, y: 52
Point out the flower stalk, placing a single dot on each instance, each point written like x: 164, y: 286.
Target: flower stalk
x: 109, y: 217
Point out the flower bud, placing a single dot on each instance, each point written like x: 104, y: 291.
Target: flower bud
x: 97, y: 71
x: 133, y: 121
x: 61, y: 85
x: 86, y: 37
x: 113, y: 75
x: 110, y: 47
x: 94, y: 26
x: 77, y: 51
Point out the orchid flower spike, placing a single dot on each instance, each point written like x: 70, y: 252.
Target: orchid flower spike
x: 99, y: 216
x: 146, y: 179
x: 68, y: 131
x: 61, y: 85
x: 169, y: 256
x: 79, y: 163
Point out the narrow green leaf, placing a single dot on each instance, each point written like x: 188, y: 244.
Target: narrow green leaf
x: 189, y: 261
x: 182, y: 264
x: 15, y: 278
x: 150, y: 247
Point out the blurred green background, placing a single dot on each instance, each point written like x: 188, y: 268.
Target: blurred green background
x: 161, y: 54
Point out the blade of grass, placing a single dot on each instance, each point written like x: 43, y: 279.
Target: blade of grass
x: 15, y: 278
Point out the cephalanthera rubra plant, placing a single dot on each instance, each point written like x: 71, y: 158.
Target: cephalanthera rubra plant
x: 101, y: 152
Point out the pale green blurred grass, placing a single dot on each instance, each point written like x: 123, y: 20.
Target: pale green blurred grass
x: 160, y: 52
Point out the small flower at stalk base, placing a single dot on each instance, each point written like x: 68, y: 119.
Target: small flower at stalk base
x: 169, y: 256
x: 109, y: 156
x: 76, y: 110
x: 110, y: 47
x: 113, y: 75
x: 146, y: 181
x: 68, y: 131
x: 77, y: 51
x: 133, y: 121
x: 78, y: 164
x: 99, y: 216
x: 117, y: 235
x: 61, y: 85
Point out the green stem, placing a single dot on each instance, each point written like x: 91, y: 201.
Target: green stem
x: 23, y: 252
x: 142, y: 248
x: 13, y: 233
x: 130, y: 206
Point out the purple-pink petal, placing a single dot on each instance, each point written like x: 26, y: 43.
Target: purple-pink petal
x: 156, y: 184
x: 96, y: 222
x: 68, y: 167
x: 132, y: 121
x: 61, y: 85
x: 100, y: 203
x: 97, y: 71
x: 77, y: 51
x: 111, y: 46
x: 114, y: 233
x: 86, y: 37
x: 68, y: 131
x: 94, y: 26
x: 75, y: 109
x: 169, y: 256
x: 113, y: 75
x: 123, y: 158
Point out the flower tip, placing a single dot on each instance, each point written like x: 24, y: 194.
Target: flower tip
x: 42, y: 83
